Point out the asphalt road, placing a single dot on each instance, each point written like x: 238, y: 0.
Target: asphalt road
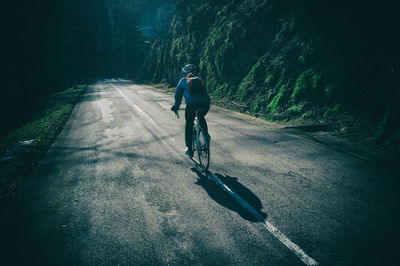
x: 116, y: 189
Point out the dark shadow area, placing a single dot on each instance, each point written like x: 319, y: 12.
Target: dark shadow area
x: 226, y: 200
x: 11, y: 230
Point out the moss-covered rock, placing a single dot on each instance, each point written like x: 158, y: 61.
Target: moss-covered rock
x: 290, y: 60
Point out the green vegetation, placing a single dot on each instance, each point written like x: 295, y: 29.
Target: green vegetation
x: 302, y: 87
x: 286, y: 60
x: 333, y: 111
x: 40, y: 132
x: 279, y: 99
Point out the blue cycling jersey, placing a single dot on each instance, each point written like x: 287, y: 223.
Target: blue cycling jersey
x: 182, y: 90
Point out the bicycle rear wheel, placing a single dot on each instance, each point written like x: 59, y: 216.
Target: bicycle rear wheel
x: 193, y: 141
x: 204, y: 150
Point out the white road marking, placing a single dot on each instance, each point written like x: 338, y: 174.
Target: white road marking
x: 270, y: 227
x: 149, y: 119
x: 289, y: 244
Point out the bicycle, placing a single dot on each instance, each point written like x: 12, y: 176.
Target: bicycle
x: 200, y: 141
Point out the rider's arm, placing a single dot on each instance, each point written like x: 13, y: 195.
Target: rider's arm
x: 179, y: 94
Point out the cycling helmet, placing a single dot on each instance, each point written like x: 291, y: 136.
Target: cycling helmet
x: 190, y: 68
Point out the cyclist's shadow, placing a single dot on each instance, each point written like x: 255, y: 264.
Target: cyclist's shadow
x: 226, y: 200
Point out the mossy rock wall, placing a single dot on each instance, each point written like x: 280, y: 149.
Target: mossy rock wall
x: 289, y: 59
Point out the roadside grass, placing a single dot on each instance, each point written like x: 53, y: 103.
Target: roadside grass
x: 22, y: 149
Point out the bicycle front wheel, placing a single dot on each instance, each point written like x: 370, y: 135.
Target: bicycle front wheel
x: 204, y: 150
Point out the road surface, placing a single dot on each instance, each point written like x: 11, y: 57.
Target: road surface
x: 116, y: 189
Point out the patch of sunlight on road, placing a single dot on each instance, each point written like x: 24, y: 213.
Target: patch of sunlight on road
x: 123, y: 134
x: 249, y: 157
x: 106, y: 110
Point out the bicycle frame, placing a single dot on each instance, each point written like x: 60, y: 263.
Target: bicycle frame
x: 197, y: 129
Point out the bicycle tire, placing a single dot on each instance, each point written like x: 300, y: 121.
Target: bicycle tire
x: 204, y: 150
x: 194, y: 148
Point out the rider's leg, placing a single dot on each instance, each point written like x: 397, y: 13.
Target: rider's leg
x: 202, y: 120
x: 190, y: 114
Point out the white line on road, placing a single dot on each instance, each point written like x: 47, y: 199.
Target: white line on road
x: 149, y: 119
x: 289, y: 244
x: 270, y: 227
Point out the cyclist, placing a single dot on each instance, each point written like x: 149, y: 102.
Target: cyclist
x: 194, y: 101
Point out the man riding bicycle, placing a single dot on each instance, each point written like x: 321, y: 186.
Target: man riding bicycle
x: 196, y: 97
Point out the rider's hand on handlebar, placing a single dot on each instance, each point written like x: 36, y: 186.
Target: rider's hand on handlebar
x: 173, y: 108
